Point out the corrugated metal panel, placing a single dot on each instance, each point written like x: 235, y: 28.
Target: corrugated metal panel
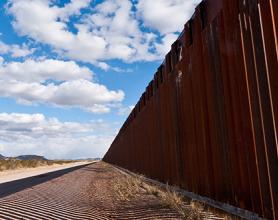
x: 208, y: 121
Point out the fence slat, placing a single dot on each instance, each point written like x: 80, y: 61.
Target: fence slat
x: 208, y: 121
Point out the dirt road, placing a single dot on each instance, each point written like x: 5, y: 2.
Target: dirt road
x: 17, y: 174
x: 88, y: 192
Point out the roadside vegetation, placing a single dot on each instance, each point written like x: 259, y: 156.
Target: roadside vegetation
x: 129, y: 187
x: 12, y: 164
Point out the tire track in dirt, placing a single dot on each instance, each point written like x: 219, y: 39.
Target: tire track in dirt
x: 86, y: 193
x: 82, y: 194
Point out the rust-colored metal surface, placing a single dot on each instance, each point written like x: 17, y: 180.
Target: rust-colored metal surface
x: 208, y: 120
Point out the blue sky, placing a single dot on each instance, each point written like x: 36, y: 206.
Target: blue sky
x: 71, y: 71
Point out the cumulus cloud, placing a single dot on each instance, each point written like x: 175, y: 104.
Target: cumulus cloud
x: 114, y: 21
x: 113, y: 29
x: 78, y: 93
x: 166, y: 16
x: 41, y: 70
x: 72, y: 8
x: 56, y: 82
x: 36, y: 134
x: 15, y: 50
x: 30, y: 16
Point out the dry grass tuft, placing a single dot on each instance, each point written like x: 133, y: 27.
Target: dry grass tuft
x: 12, y: 164
x: 226, y: 217
x: 193, y: 212
x: 129, y: 187
x: 176, y: 201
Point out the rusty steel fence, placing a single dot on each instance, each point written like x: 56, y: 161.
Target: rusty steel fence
x: 208, y: 120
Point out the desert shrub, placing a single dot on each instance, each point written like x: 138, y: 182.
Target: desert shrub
x: 12, y: 164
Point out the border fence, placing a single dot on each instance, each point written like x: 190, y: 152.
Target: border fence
x: 208, y: 120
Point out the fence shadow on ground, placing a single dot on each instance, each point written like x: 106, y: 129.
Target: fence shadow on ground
x: 19, y: 185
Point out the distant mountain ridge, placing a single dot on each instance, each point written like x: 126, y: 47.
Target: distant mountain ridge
x: 24, y: 157
x: 30, y: 157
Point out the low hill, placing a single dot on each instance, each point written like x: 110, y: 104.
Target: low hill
x: 30, y: 157
x: 24, y: 157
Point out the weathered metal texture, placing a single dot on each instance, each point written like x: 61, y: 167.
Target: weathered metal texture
x: 208, y: 120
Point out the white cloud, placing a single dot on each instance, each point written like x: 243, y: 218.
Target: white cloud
x: 31, y: 82
x: 103, y: 66
x: 166, y: 16
x: 21, y: 51
x: 164, y: 47
x: 2, y: 147
x: 36, y: 134
x: 15, y: 50
x: 112, y: 29
x: 78, y: 93
x: 73, y: 8
x: 31, y: 15
x: 41, y: 70
x: 116, y: 23
x: 125, y: 110
x: 4, y: 48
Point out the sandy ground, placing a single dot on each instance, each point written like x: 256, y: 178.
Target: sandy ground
x: 86, y: 193
x: 89, y: 192
x: 11, y: 175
